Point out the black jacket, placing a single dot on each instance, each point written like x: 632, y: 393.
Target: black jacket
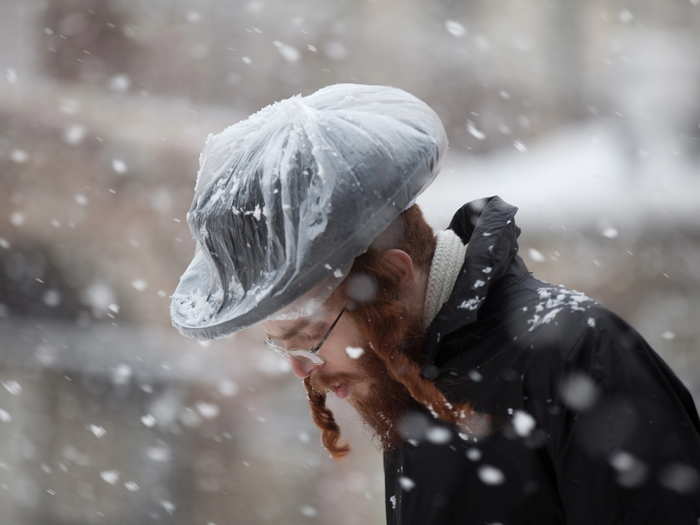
x: 592, y: 427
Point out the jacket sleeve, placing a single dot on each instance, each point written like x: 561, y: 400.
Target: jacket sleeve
x: 624, y: 432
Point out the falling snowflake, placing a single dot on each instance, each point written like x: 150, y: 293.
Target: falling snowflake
x: 131, y: 486
x: 12, y: 386
x: 622, y: 460
x: 208, y: 410
x: 610, y: 233
x: 354, y: 352
x: 680, y: 478
x: 121, y: 374
x: 45, y: 354
x: 474, y: 454
x: 11, y: 75
x: 520, y: 146
x: 474, y: 132
x: 139, y: 284
x: 98, y: 296
x: 362, y: 287
x: 523, y: 423
x: 159, y: 453
x: 74, y: 134
x: 52, y: 298
x: 308, y: 511
x: 626, y: 16
x: 119, y: 166
x: 491, y: 475
x: 148, y: 420
x: 335, y: 50
x: 97, y: 430
x: 17, y: 218
x: 110, y: 476
x: 227, y: 387
x: 578, y: 391
x: 455, y: 28
x: 475, y: 376
x: 193, y: 16
x: 119, y: 83
x: 19, y: 156
x: 190, y: 418
x: 289, y: 53
x: 406, y: 483
x: 535, y: 255
x: 631, y: 471
x: 439, y: 435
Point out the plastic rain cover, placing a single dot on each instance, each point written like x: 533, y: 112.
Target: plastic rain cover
x: 287, y: 198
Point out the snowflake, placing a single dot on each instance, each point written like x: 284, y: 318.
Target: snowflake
x: 406, y: 483
x: 523, y: 423
x: 471, y: 304
x: 491, y: 475
x: 554, y: 299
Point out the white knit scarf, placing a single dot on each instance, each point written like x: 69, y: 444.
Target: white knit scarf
x: 444, y: 268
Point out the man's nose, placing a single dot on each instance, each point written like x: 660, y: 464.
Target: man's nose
x: 302, y: 367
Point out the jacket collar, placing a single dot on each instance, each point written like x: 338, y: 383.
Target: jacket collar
x: 489, y: 227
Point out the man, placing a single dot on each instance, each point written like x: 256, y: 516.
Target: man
x: 496, y: 397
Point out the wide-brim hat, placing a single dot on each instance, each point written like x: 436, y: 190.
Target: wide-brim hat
x: 287, y: 198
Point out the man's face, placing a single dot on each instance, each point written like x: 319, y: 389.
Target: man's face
x: 342, y: 351
x: 351, y: 361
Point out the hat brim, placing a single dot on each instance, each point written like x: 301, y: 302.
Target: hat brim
x: 195, y: 315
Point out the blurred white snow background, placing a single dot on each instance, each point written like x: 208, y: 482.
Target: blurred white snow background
x: 584, y: 115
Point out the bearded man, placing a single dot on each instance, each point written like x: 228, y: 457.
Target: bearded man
x: 496, y: 397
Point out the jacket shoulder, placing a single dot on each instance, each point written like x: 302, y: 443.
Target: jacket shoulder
x: 574, y: 330
x: 602, y: 393
x: 603, y: 356
x: 567, y: 330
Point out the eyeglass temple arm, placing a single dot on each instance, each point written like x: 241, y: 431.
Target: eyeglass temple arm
x: 328, y: 332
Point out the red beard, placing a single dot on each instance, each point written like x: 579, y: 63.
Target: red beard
x: 388, y: 400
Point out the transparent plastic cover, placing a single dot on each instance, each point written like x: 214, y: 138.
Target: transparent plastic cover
x: 286, y: 199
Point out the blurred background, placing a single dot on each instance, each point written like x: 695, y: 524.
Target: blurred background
x: 585, y: 115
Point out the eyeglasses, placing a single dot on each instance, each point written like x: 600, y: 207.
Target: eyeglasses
x: 311, y: 353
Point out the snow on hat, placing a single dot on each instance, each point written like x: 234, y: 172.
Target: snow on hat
x: 287, y: 198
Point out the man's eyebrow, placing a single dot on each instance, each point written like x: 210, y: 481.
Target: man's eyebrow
x: 292, y: 332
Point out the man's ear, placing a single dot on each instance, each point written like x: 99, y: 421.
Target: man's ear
x: 401, y: 263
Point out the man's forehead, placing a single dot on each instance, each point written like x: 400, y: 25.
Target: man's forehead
x: 279, y: 329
